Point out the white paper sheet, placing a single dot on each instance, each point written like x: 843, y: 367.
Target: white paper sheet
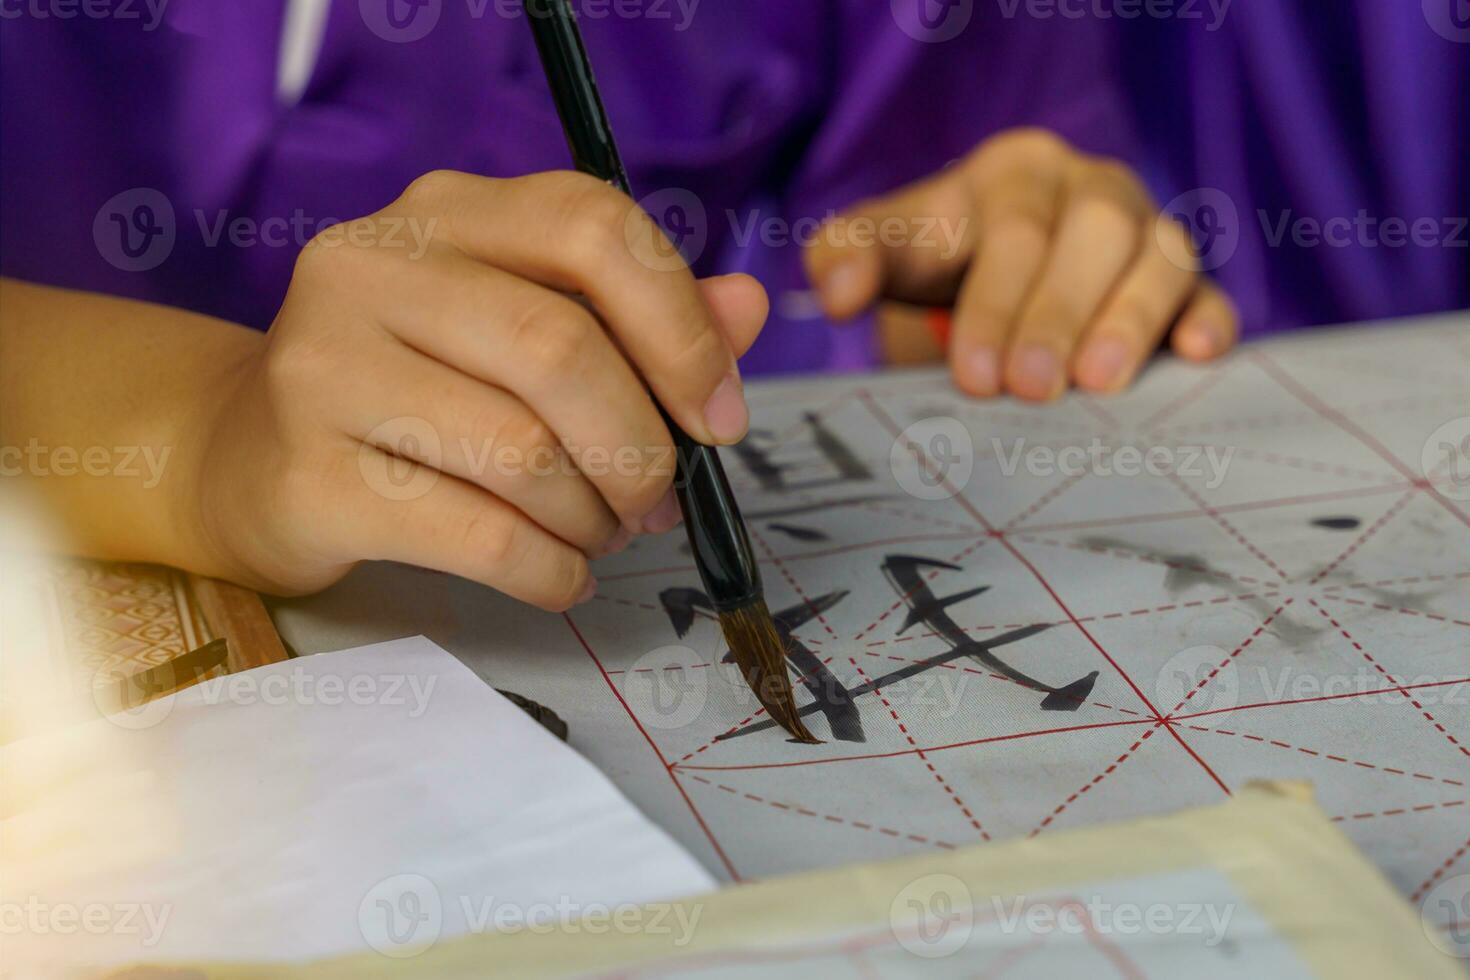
x: 379, y: 798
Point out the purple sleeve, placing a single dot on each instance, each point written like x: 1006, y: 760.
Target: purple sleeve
x: 156, y: 160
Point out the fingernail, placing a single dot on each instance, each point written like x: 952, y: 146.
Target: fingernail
x: 588, y: 592
x: 618, y: 544
x: 726, y: 413
x: 1202, y: 340
x: 1036, y: 373
x: 982, y: 367
x: 665, y: 517
x: 1102, y: 363
x: 842, y: 286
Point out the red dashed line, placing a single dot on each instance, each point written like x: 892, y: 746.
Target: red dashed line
x: 1400, y: 811
x: 1229, y: 528
x: 1323, y: 755
x: 1278, y: 420
x: 1389, y: 515
x: 1046, y: 499
x: 1439, y: 872
x: 830, y: 818
x: 1191, y: 394
x: 791, y: 581
x: 715, y: 741
x: 974, y: 821
x: 1301, y: 463
x: 905, y: 597
x: 994, y: 676
x: 1233, y: 654
x: 1411, y: 580
x: 1400, y: 609
x: 1094, y: 781
x: 653, y: 670
x: 1391, y: 679
x: 1119, y: 553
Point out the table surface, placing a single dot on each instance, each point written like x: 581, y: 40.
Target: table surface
x: 1012, y: 620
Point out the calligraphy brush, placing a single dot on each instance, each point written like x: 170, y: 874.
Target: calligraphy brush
x: 717, y: 534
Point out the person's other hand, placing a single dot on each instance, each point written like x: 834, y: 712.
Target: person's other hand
x: 1058, y: 265
x: 431, y: 392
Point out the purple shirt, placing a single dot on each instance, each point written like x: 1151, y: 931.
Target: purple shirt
x: 773, y: 109
x: 162, y: 163
x: 1320, y: 150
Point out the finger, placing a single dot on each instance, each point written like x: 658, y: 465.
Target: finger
x: 552, y: 354
x: 1098, y: 237
x: 1016, y: 218
x: 1209, y: 326
x: 1127, y: 331
x: 912, y: 245
x: 740, y: 307
x: 575, y: 234
x: 434, y: 520
x: 441, y: 418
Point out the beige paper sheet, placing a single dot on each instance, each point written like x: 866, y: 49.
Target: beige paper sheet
x: 1301, y: 901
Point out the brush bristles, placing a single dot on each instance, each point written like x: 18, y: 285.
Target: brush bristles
x: 757, y: 646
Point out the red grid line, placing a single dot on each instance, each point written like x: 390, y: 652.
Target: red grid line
x: 1245, y: 580
x: 829, y: 818
x: 1094, y: 618
x: 1352, y: 428
x: 798, y: 497
x: 1231, y: 658
x: 1191, y: 395
x: 1316, y: 754
x: 1349, y: 696
x: 1439, y: 872
x: 1179, y: 515
x: 1278, y: 420
x: 1391, y: 679
x: 1401, y: 811
x: 988, y: 674
x: 954, y: 797
x: 791, y: 581
x: 1275, y: 420
x: 1366, y: 536
x: 1400, y: 609
x: 1319, y: 409
x: 929, y: 749
x: 904, y: 598
x: 1045, y: 500
x: 1094, y: 408
x: 1229, y: 528
x: 694, y: 810
x: 1297, y: 462
x: 887, y: 421
x: 1087, y: 786
x: 1409, y: 580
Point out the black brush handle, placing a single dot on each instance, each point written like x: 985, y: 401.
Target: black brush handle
x: 716, y: 532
